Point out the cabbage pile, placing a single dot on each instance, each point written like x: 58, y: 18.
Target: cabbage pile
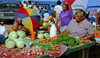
x: 17, y: 39
x: 42, y: 36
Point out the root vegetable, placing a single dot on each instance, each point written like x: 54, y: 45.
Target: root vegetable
x: 40, y: 53
x: 28, y: 54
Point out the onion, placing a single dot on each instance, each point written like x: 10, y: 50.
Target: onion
x: 28, y: 54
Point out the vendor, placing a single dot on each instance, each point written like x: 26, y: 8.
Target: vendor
x: 65, y: 16
x: 3, y: 33
x: 80, y: 26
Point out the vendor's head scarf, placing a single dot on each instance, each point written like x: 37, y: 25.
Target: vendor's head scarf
x: 19, y: 19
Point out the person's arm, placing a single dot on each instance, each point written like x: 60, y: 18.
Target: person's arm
x: 89, y: 31
x: 97, y: 22
x: 66, y: 31
x: 58, y: 21
x: 87, y: 37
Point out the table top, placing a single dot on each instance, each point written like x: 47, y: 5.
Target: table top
x: 80, y: 47
x: 75, y: 48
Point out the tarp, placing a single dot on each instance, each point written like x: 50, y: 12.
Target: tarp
x: 93, y: 4
x: 79, y: 4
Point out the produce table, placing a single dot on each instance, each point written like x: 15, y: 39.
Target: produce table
x: 76, y: 48
x: 80, y: 47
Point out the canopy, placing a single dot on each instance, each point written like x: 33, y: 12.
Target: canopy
x: 93, y: 4
x: 79, y: 4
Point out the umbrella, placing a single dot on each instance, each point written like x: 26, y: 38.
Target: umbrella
x: 30, y: 19
x: 69, y: 2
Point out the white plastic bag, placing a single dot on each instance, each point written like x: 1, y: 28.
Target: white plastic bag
x: 53, y: 30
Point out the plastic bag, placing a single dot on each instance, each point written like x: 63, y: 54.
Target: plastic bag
x: 53, y: 30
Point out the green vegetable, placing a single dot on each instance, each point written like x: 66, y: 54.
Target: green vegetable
x: 46, y: 46
x: 41, y: 36
x: 66, y: 40
x: 17, y: 50
x: 10, y: 44
x: 19, y: 43
x: 46, y: 35
x: 26, y: 40
x: 36, y: 42
x: 21, y: 34
x: 9, y: 50
x: 13, y: 35
x: 8, y: 39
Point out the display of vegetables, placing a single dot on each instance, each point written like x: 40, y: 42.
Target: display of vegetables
x: 17, y: 39
x: 66, y: 40
x: 33, y: 51
x: 42, y: 36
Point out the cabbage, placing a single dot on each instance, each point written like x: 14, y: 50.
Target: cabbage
x: 26, y: 40
x: 13, y: 35
x: 8, y: 39
x: 20, y: 38
x: 41, y: 36
x: 10, y: 44
x: 46, y: 35
x: 21, y: 34
x: 19, y: 43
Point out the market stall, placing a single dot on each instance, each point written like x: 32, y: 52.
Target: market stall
x: 43, y: 48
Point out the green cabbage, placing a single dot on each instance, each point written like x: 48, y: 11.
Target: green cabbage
x: 13, y: 35
x: 46, y: 35
x: 10, y: 44
x: 19, y: 43
x: 41, y: 36
x: 26, y: 40
x: 7, y: 40
x: 21, y: 34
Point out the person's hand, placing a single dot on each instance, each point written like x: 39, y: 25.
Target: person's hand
x: 82, y: 38
x: 98, y: 28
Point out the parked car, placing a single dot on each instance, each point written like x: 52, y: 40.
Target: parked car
x: 7, y: 10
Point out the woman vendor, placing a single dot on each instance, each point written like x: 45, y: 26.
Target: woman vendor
x: 80, y: 27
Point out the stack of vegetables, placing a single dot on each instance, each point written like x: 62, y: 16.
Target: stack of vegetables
x: 33, y: 51
x: 41, y: 36
x: 17, y: 39
x: 62, y: 38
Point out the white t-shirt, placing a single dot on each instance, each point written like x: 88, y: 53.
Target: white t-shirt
x: 58, y: 9
x: 3, y: 31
